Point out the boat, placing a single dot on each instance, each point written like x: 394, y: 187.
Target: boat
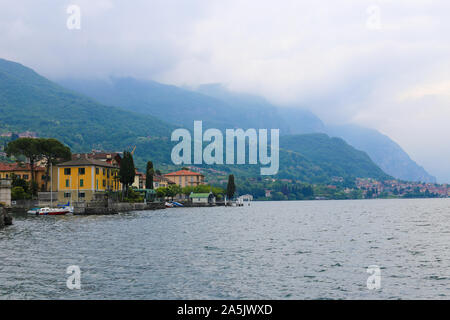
x: 169, y: 205
x: 66, y: 206
x: 33, y: 211
x: 46, y: 211
x: 177, y: 204
x: 69, y: 208
x: 60, y: 210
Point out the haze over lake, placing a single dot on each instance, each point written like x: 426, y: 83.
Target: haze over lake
x: 269, y: 250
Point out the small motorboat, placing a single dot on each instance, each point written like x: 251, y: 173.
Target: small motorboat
x: 33, y: 211
x: 177, y: 204
x: 52, y: 211
x: 169, y: 205
x: 66, y: 207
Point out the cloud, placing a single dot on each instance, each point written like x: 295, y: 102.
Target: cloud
x: 323, y: 56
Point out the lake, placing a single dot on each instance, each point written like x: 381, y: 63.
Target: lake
x: 268, y: 250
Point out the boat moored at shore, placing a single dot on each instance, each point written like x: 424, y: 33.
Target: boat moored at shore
x: 46, y: 211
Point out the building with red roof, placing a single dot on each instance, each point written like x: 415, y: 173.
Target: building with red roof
x: 185, y: 178
x: 22, y: 170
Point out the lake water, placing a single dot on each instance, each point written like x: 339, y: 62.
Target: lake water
x: 269, y: 250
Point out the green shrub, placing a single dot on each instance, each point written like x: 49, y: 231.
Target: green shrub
x: 17, y: 193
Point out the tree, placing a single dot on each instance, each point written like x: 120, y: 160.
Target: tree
x: 52, y: 151
x: 149, y: 173
x: 173, y: 190
x: 28, y: 147
x: 231, y: 188
x: 17, y: 193
x: 161, y: 192
x: 187, y: 190
x: 19, y: 182
x: 127, y: 170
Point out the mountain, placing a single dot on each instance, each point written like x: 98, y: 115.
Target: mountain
x: 30, y: 102
x: 386, y: 153
x: 333, y: 155
x: 314, y: 158
x: 221, y: 108
x: 213, y: 104
x: 170, y: 103
x: 259, y: 113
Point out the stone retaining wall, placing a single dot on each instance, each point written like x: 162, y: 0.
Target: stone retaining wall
x: 5, y: 218
x: 116, y: 207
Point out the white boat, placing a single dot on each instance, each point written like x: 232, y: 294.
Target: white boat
x: 46, y: 211
x: 51, y: 211
x: 169, y: 205
x: 33, y: 211
x: 68, y: 208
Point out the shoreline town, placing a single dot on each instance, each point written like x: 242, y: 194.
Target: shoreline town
x: 97, y: 183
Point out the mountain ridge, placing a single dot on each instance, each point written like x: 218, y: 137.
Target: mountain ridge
x: 29, y: 101
x: 251, y: 111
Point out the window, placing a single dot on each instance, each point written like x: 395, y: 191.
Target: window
x: 81, y: 170
x: 108, y: 173
x: 97, y: 171
x: 81, y: 183
x: 66, y: 194
x: 67, y: 183
x: 96, y: 184
x: 104, y: 171
x: 104, y: 183
x: 81, y: 195
x: 67, y: 171
x: 6, y: 176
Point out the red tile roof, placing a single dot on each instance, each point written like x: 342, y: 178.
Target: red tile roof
x: 86, y: 162
x: 18, y: 167
x: 158, y: 178
x: 183, y: 173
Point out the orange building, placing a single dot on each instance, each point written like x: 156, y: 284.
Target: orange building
x: 22, y: 170
x: 185, y: 178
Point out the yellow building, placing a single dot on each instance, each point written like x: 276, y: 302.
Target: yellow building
x: 86, y: 180
x: 22, y: 170
x: 185, y: 178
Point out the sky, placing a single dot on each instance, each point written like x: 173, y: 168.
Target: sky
x: 381, y: 64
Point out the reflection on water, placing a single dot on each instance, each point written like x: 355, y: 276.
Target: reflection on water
x: 270, y: 250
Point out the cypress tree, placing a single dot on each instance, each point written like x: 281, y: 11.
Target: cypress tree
x: 231, y: 188
x: 127, y: 170
x: 149, y: 175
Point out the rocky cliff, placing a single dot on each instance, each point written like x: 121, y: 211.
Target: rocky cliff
x: 5, y: 218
